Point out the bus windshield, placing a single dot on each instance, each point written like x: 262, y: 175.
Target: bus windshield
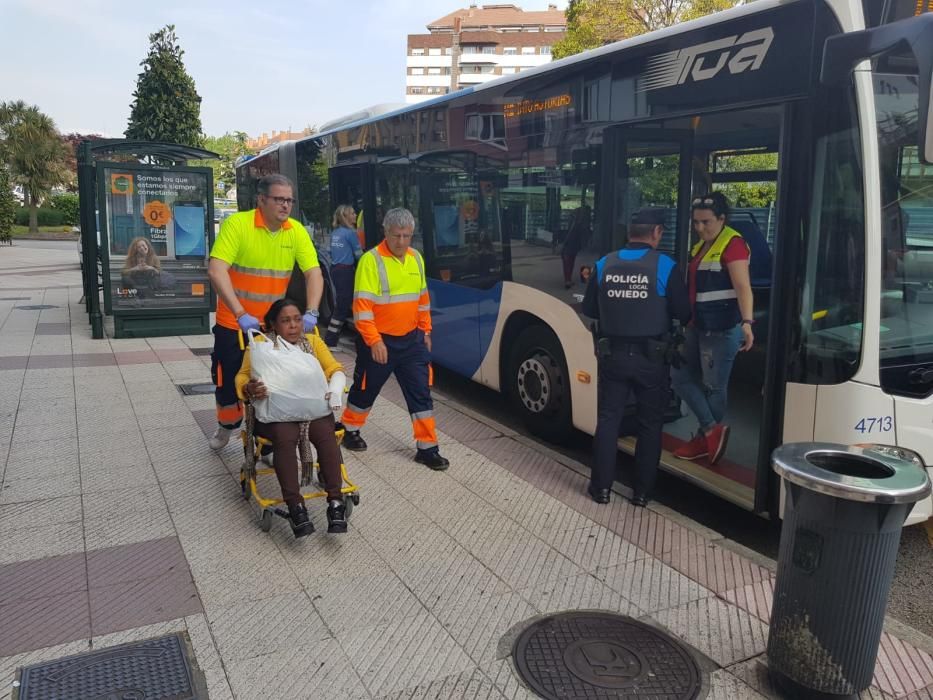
x: 907, y: 240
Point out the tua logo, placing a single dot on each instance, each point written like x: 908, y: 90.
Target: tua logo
x: 738, y: 53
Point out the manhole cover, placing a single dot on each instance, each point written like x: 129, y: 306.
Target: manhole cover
x: 36, y: 307
x: 601, y: 655
x: 154, y: 669
x: 201, y: 352
x: 195, y: 389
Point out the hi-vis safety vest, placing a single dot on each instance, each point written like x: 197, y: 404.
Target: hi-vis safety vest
x: 261, y: 262
x: 390, y: 296
x: 717, y: 306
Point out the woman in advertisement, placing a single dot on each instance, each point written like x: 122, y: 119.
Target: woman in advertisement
x: 142, y: 270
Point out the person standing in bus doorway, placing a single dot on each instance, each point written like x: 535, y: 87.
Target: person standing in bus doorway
x: 392, y: 312
x: 345, y: 250
x: 721, y: 295
x: 250, y: 267
x: 635, y: 294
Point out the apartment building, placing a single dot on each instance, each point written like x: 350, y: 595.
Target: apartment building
x: 476, y: 44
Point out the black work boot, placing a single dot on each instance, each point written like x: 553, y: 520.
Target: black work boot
x: 301, y: 524
x: 432, y: 459
x: 353, y: 441
x: 336, y: 516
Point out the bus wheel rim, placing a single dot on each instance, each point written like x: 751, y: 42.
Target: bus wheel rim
x: 534, y: 385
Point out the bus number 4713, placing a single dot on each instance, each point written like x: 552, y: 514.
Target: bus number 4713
x: 884, y: 424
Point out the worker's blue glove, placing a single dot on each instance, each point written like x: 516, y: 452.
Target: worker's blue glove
x: 248, y: 323
x: 310, y: 320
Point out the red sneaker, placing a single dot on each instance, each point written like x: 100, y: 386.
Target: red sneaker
x: 716, y: 441
x: 695, y: 449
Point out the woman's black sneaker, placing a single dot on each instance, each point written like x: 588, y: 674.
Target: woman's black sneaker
x: 353, y: 441
x: 336, y: 516
x: 301, y: 523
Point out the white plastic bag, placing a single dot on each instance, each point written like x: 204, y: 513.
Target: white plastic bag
x: 294, y: 380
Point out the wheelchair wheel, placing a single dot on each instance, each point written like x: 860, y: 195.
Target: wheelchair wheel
x: 348, y: 504
x: 265, y: 522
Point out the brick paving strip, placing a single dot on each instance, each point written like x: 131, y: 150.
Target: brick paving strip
x: 418, y: 600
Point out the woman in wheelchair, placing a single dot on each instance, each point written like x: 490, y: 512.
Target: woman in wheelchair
x: 284, y: 319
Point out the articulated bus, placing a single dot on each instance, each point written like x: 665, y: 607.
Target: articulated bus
x: 812, y: 116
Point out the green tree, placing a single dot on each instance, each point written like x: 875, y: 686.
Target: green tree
x: 230, y: 146
x: 34, y: 151
x: 166, y: 106
x: 7, y: 206
x: 313, y: 185
x: 593, y: 23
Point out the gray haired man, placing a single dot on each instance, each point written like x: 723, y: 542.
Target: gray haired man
x: 392, y: 313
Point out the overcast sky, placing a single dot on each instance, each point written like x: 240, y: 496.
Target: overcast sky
x: 258, y: 66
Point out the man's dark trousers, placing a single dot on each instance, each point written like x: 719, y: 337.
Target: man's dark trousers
x: 624, y: 372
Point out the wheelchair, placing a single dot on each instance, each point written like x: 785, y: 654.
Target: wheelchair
x: 310, y: 474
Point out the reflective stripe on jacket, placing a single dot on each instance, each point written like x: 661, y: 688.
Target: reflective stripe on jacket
x: 390, y: 296
x: 717, y: 306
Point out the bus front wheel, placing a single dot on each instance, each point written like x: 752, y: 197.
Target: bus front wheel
x: 539, y: 387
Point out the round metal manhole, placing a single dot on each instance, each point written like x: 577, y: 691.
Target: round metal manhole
x: 601, y: 655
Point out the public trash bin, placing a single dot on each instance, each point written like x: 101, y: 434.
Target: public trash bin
x: 843, y: 513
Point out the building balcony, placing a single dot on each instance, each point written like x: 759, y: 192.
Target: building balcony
x: 479, y: 58
x: 475, y: 78
x: 427, y: 80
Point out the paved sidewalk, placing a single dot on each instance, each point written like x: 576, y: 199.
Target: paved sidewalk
x: 118, y: 523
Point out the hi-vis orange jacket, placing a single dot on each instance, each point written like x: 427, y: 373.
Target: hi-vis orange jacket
x: 390, y: 296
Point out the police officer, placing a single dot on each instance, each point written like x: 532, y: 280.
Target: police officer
x: 635, y: 294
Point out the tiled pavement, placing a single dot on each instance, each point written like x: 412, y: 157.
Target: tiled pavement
x: 118, y: 523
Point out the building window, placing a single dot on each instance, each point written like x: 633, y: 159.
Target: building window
x: 545, y: 50
x: 416, y: 71
x: 531, y: 29
x: 417, y: 52
x: 434, y: 52
x: 448, y: 51
x: 415, y: 90
x: 489, y: 49
x: 470, y: 49
x: 528, y: 50
x: 434, y: 71
x: 553, y: 29
x: 506, y: 70
x: 510, y: 51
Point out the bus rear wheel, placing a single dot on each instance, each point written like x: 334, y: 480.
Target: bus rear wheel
x: 538, y: 384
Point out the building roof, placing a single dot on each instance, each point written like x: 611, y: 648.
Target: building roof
x: 499, y: 16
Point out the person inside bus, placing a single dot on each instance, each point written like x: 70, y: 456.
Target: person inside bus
x: 721, y: 297
x: 345, y: 250
x: 285, y: 320
x: 577, y: 237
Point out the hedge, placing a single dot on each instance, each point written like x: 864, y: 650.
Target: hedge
x: 47, y: 217
x: 68, y: 205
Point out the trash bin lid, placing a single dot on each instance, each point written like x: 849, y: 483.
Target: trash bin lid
x: 868, y: 474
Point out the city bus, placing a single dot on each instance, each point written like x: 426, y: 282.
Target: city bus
x: 812, y: 116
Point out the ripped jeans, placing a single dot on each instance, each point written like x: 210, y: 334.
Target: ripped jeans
x: 703, y: 378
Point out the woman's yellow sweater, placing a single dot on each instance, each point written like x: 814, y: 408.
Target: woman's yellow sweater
x: 318, y: 348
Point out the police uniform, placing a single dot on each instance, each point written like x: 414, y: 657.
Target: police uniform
x: 635, y: 293
x: 391, y: 304
x: 261, y: 264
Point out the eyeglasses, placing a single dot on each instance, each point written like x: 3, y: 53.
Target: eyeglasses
x: 281, y: 200
x: 702, y: 200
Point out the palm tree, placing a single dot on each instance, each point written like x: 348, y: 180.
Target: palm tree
x: 34, y: 151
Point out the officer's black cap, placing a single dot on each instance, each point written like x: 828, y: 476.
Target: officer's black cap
x: 650, y: 216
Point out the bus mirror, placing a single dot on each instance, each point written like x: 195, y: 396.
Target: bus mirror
x: 843, y: 52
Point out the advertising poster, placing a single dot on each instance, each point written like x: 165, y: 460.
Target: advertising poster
x: 158, y: 223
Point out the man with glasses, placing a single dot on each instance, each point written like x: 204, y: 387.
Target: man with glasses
x: 250, y: 266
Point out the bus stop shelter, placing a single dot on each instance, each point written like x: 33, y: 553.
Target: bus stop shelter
x: 142, y: 173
